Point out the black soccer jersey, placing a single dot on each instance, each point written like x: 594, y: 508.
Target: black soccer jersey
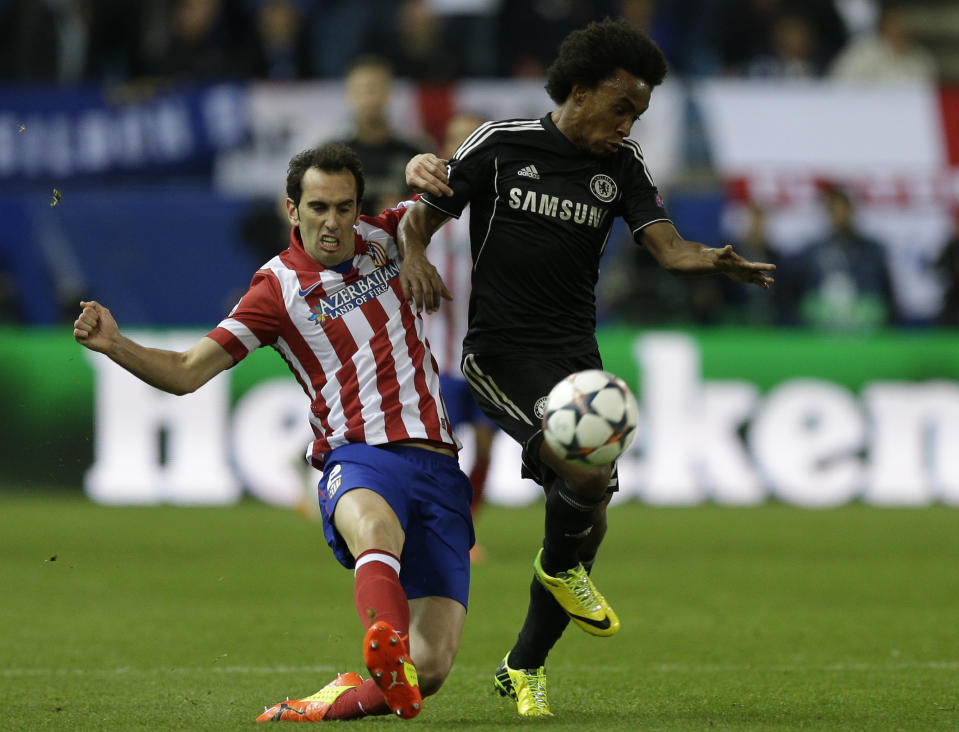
x: 541, y: 211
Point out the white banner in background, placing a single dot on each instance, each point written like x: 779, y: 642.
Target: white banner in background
x: 288, y: 118
x: 825, y: 129
x: 775, y: 142
x: 808, y: 442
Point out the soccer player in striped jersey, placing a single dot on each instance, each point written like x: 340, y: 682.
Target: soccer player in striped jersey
x: 395, y: 505
x: 543, y: 194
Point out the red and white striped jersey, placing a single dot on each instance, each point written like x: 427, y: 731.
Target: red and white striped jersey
x: 449, y: 252
x: 353, y: 343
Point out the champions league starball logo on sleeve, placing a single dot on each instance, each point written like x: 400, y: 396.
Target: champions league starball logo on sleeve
x: 603, y: 187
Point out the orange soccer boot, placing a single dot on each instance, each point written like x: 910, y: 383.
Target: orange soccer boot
x: 389, y: 663
x: 313, y: 708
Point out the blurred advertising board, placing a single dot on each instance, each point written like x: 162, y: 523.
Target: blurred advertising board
x: 50, y: 133
x: 727, y: 416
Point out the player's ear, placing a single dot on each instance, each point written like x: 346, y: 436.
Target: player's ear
x: 579, y: 94
x: 292, y: 213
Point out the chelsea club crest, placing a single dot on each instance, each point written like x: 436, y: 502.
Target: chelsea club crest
x: 603, y: 187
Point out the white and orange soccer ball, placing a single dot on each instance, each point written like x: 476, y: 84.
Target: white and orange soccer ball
x: 590, y: 417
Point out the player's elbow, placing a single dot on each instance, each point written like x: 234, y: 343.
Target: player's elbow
x: 195, y: 380
x: 183, y: 383
x: 177, y: 387
x: 192, y: 369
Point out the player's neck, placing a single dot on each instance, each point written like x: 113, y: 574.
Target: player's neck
x: 564, y: 119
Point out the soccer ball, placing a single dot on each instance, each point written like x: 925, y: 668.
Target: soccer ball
x: 590, y: 417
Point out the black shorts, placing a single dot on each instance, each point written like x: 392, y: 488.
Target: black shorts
x: 512, y: 392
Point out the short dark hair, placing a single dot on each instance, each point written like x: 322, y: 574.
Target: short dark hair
x: 590, y: 55
x: 334, y: 157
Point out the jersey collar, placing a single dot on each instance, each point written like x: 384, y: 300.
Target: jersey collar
x: 297, y: 258
x: 565, y: 145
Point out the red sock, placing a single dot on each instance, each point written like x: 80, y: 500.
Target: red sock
x: 366, y: 700
x: 478, y: 481
x: 378, y: 595
x: 377, y: 591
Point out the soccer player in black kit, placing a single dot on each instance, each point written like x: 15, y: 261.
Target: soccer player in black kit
x: 543, y: 196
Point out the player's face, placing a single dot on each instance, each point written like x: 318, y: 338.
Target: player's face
x: 606, y: 114
x: 326, y: 215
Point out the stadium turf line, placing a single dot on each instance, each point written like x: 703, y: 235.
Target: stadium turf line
x: 766, y: 618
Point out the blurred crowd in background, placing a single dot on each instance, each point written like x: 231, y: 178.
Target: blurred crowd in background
x: 840, y: 281
x: 71, y: 41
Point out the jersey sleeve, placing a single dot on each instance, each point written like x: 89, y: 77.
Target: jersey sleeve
x: 254, y: 320
x: 642, y: 204
x: 380, y: 230
x: 389, y: 219
x: 470, y: 170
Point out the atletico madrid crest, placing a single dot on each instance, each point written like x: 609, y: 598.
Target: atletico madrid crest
x: 378, y: 253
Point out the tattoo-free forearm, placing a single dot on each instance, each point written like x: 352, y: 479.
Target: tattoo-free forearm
x: 676, y: 254
x: 417, y: 227
x: 170, y: 371
x: 690, y: 257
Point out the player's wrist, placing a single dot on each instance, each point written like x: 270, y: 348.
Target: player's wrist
x: 414, y: 250
x: 713, y: 256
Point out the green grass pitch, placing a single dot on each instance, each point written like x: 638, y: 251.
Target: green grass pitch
x: 765, y: 618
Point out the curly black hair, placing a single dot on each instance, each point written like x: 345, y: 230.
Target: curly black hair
x: 334, y: 157
x: 591, y: 55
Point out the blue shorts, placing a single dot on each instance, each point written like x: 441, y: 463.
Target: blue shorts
x: 431, y: 497
x: 460, y: 404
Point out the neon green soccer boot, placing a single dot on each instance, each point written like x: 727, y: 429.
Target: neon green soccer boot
x: 579, y: 598
x: 527, y: 687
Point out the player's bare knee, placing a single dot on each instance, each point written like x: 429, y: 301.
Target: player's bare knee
x: 589, y: 483
x: 432, y: 671
x: 378, y: 532
x: 430, y: 684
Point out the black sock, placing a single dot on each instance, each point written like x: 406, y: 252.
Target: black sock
x: 569, y: 520
x: 544, y: 624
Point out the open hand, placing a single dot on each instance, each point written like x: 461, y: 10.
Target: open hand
x: 741, y: 269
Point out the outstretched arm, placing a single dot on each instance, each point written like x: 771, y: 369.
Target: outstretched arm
x: 688, y: 257
x: 422, y: 285
x: 177, y: 373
